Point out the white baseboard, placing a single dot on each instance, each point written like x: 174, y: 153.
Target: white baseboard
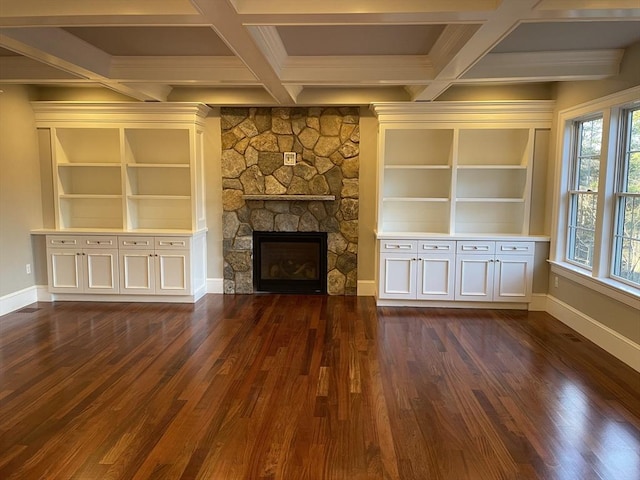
x: 44, y: 295
x: 16, y: 300
x: 538, y: 302
x: 617, y: 345
x: 366, y: 288
x: 215, y: 285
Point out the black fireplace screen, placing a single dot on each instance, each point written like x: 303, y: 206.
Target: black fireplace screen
x: 290, y: 262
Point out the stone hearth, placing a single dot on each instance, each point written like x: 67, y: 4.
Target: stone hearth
x: 326, y: 143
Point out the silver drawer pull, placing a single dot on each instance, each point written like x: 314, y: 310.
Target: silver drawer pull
x: 171, y: 244
x: 398, y: 246
x: 135, y: 243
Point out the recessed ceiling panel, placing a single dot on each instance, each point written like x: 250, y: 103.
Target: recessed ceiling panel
x: 359, y: 39
x: 558, y: 36
x: 153, y: 41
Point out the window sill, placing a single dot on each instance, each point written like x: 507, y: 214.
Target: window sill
x: 616, y: 290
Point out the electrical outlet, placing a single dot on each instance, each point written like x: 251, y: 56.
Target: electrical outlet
x: 28, y: 268
x: 555, y: 281
x: 290, y: 158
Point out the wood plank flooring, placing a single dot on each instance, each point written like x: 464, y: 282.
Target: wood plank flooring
x: 308, y: 387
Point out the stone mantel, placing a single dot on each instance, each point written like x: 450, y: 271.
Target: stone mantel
x: 292, y: 198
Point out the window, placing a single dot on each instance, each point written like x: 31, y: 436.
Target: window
x: 583, y: 191
x: 596, y: 240
x: 626, y: 255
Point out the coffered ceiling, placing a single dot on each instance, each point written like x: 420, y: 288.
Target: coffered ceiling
x: 300, y: 52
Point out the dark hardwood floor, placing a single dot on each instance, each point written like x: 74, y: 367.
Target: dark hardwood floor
x: 308, y: 387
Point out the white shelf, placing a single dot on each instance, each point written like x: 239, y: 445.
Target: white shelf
x: 159, y: 197
x: 87, y: 195
x: 492, y: 167
x: 126, y: 167
x: 88, y: 165
x: 490, y: 200
x: 158, y: 165
x: 415, y: 199
x: 417, y: 167
x: 451, y: 168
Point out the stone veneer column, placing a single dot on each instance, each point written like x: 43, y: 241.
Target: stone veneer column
x: 326, y: 141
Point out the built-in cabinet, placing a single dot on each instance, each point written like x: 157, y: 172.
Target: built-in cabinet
x: 489, y: 271
x: 128, y: 193
x: 126, y: 265
x: 412, y: 269
x: 87, y: 264
x: 458, y: 174
x: 445, y: 270
x: 158, y: 265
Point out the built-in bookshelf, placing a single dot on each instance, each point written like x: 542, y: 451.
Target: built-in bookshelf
x: 130, y: 167
x: 457, y: 167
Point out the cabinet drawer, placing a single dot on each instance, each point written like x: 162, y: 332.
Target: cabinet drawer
x: 407, y: 246
x: 516, y: 248
x: 476, y: 246
x: 99, y: 241
x: 63, y: 241
x: 135, y: 242
x: 168, y: 243
x: 436, y: 246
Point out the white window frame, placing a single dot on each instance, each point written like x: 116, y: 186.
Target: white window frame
x: 599, y: 277
x: 620, y: 194
x: 573, y: 193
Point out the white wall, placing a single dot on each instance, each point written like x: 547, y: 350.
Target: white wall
x: 20, y: 199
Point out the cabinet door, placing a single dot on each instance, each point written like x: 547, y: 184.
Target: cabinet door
x: 101, y: 270
x: 435, y: 277
x: 173, y: 272
x: 513, y: 278
x: 65, y: 271
x: 397, y: 276
x: 474, y: 278
x: 137, y: 271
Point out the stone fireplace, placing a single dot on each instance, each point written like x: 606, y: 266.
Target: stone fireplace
x: 319, y: 194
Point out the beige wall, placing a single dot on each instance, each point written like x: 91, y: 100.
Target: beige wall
x: 20, y: 201
x: 368, y: 187
x: 213, y: 193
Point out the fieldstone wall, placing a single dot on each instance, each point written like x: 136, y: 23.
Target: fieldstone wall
x: 326, y: 142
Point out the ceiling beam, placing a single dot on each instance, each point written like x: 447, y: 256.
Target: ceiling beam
x: 59, y: 49
x: 227, y: 24
x: 546, y: 66
x: 505, y: 18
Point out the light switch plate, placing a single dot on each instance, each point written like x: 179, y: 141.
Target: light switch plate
x: 290, y: 158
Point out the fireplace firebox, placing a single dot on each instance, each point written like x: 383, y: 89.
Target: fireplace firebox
x: 290, y: 262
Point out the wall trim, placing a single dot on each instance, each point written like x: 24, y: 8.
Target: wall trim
x: 617, y: 345
x: 538, y: 302
x: 215, y: 285
x: 366, y: 288
x: 16, y: 300
x: 44, y: 295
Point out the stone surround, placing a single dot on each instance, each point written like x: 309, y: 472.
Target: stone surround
x: 326, y: 142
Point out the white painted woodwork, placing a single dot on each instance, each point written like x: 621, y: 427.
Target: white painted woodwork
x: 475, y: 46
x: 82, y: 265
x: 127, y: 266
x: 398, y: 275
x: 441, y: 269
x: 457, y: 167
x: 127, y: 167
x: 500, y: 271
